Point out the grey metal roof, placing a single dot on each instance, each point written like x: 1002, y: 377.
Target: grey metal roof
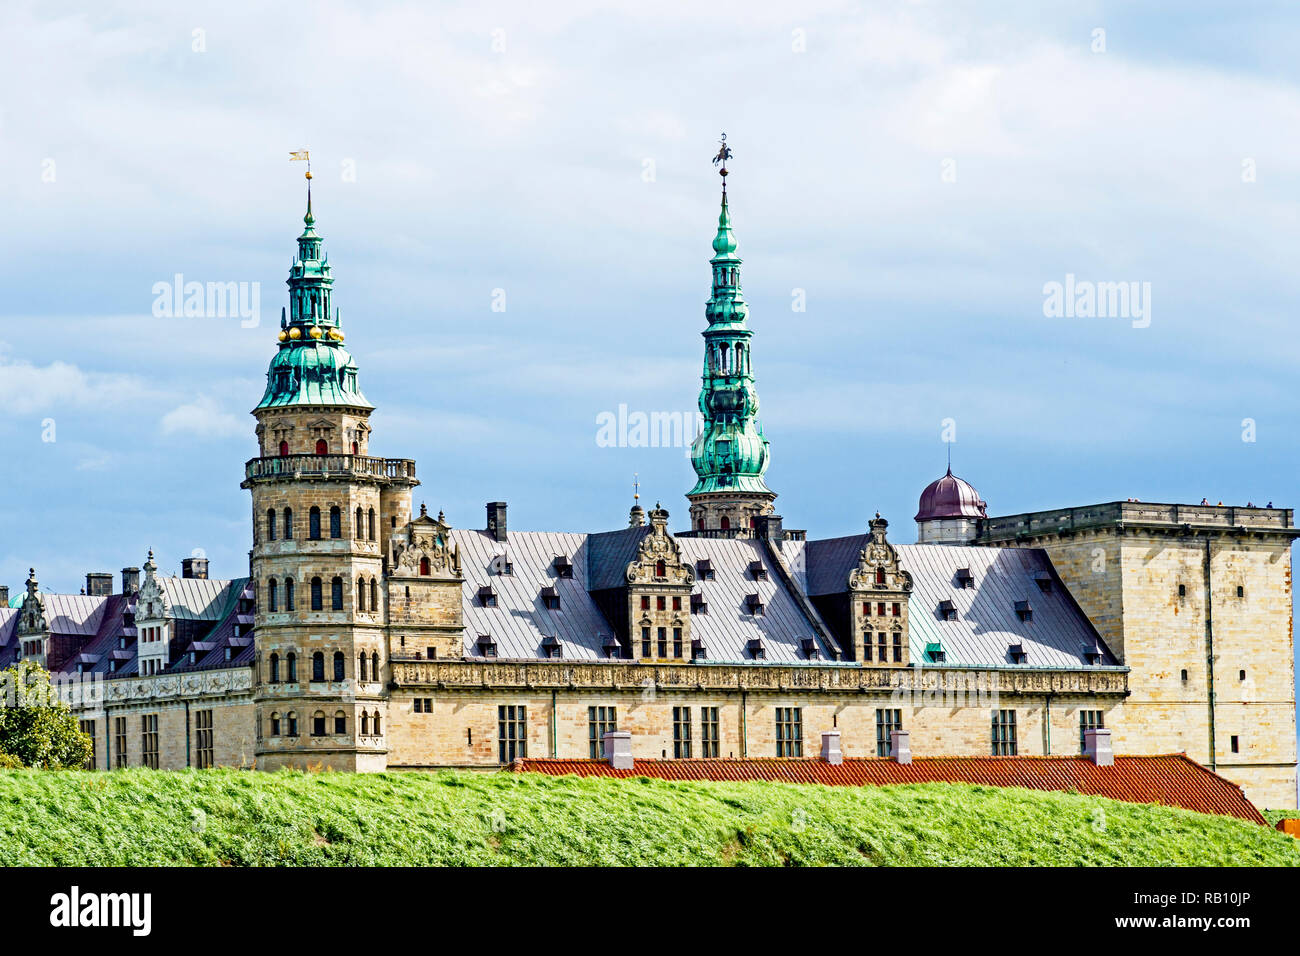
x: 609, y: 554
x: 196, y: 599
x: 76, y: 615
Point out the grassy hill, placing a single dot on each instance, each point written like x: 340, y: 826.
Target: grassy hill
x: 204, y: 818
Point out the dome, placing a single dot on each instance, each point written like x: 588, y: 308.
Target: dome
x: 950, y: 497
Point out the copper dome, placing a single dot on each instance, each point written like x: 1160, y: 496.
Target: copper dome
x: 950, y: 497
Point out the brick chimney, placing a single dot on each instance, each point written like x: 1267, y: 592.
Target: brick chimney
x: 831, y: 747
x: 900, y: 742
x: 99, y: 583
x: 768, y: 527
x: 4, y: 595
x: 1096, y: 747
x: 618, y: 749
x: 194, y: 567
x: 496, y: 520
x: 130, y: 580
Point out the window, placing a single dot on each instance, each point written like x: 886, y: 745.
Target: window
x: 512, y: 732
x: 866, y: 608
x: 88, y: 728
x: 725, y: 524
x: 682, y: 733
x: 645, y: 602
x: 1235, y: 744
x: 316, y: 600
x: 645, y: 642
x: 275, y: 725
x: 270, y: 524
x: 362, y: 670
x: 318, y: 724
x: 1089, y: 720
x: 898, y: 647
x: 203, y: 738
x: 1004, y: 733
x: 866, y: 645
x: 284, y: 448
x: 365, y: 724
x: 288, y: 524
x: 149, y: 741
x: 336, y: 522
x: 677, y: 603
x: 336, y: 594
x: 1241, y: 591
x: 677, y: 642
x: 882, y: 643
x: 1241, y: 675
x: 880, y: 608
x: 896, y: 609
x: 425, y: 567
x: 119, y: 741
x: 340, y: 722
x: 880, y: 576
x: 423, y: 705
x: 661, y: 603
x: 361, y: 594
x: 378, y: 723
x: 338, y: 665
x: 291, y: 665
x: 600, y: 721
x: 789, y: 732
x: 374, y: 595
x: 709, y: 736
x: 699, y: 605
x: 947, y: 611
x: 313, y: 524
x: 275, y: 668
x: 322, y: 447
x: 356, y: 449
x: 371, y: 524
x: 965, y: 579
x: 374, y: 666
x: 887, y: 721
x: 1182, y: 590
x: 273, y: 596
x: 359, y: 526
x: 662, y: 635
x: 551, y: 599
x: 1184, y: 673
x: 318, y: 667
x: 288, y: 594
x: 293, y: 724
x: 1024, y: 611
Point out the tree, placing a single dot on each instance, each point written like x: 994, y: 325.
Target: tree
x: 36, y: 728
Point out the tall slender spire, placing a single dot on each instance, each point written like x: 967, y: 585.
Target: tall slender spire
x: 730, y: 455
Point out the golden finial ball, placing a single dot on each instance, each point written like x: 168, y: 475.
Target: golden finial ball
x: 309, y: 174
x: 336, y: 335
x: 283, y: 335
x: 316, y: 332
x: 295, y: 333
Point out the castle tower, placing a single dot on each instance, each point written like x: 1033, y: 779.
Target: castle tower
x: 730, y: 455
x: 950, y: 512
x: 322, y: 512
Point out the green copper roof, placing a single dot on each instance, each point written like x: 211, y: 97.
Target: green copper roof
x: 731, y: 454
x: 311, y: 367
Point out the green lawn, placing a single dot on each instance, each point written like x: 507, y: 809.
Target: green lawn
x: 243, y: 818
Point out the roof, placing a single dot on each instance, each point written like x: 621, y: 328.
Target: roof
x: 950, y: 497
x: 1059, y: 634
x: 1173, y: 780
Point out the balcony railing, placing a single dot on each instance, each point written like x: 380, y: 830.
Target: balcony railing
x: 328, y: 466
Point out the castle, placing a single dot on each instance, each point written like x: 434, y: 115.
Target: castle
x: 369, y: 636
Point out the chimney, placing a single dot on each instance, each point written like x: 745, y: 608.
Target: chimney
x: 4, y: 595
x: 496, y: 518
x: 1096, y: 746
x: 130, y: 580
x: 831, y: 747
x: 194, y: 567
x: 768, y: 527
x: 99, y: 583
x: 618, y: 748
x: 900, y: 743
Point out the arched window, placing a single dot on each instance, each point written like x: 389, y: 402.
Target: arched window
x: 362, y: 669
x: 725, y: 524
x: 270, y: 524
x: 699, y: 525
x: 315, y: 594
x: 374, y: 668
x: 424, y: 567
x: 322, y: 447
x: 356, y: 449
x: 374, y: 595
x: 361, y: 594
x: 291, y: 667
x: 880, y: 575
x: 275, y: 724
x: 338, y: 665
x: 336, y: 594
x: 293, y: 724
x: 288, y: 523
x: 372, y: 524
x: 340, y: 722
x: 284, y: 448
x: 378, y: 729
x: 275, y: 668
x: 313, y: 523
x: 365, y: 723
x: 661, y: 569
x: 360, y: 530
x: 288, y: 594
x: 318, y: 724
x: 318, y: 666
x: 336, y: 522
x: 272, y: 594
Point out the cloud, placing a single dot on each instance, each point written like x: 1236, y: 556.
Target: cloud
x: 203, y: 418
x: 38, y: 389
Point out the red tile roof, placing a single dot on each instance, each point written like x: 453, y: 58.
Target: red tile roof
x: 1169, y: 779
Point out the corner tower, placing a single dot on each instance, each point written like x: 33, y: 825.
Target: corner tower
x: 322, y: 510
x: 730, y: 455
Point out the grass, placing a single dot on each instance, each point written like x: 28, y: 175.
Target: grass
x: 242, y: 818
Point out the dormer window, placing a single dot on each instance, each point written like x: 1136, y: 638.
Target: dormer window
x: 965, y: 579
x: 1092, y: 656
x: 551, y: 598
x: 698, y: 651
x: 487, y: 597
x: 1018, y: 654
x: 756, y: 649
x: 754, y: 604
x: 1024, y: 611
x: 947, y: 611
x: 486, y: 646
x: 757, y: 571
x: 1044, y: 581
x: 563, y: 567
x: 704, y: 569
x: 551, y: 646
x: 936, y: 653
x: 611, y: 647
x: 699, y: 605
x: 809, y: 646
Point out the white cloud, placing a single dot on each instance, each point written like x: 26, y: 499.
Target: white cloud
x: 38, y: 389
x: 203, y: 418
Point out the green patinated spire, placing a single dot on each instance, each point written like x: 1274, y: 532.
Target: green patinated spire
x: 731, y: 454
x: 311, y: 367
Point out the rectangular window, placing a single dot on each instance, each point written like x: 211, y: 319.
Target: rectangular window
x: 645, y: 642
x: 600, y: 721
x: 645, y: 602
x: 789, y: 732
x: 887, y: 721
x: 512, y: 732
x: 88, y: 728
x: 677, y: 603
x: 898, y: 647
x: 681, y: 732
x: 149, y: 741
x: 203, y: 738
x: 1004, y: 733
x: 661, y: 603
x: 866, y: 646
x: 898, y: 610
x: 419, y: 705
x: 663, y: 641
x: 866, y: 608
x: 677, y: 642
x: 119, y: 741
x: 709, y: 736
x: 1089, y: 720
x: 882, y: 654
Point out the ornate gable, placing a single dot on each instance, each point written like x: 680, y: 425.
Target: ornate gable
x: 31, y: 618
x: 423, y: 549
x: 151, y: 602
x: 878, y: 568
x: 659, y: 551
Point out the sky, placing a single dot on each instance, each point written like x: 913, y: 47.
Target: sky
x: 518, y: 205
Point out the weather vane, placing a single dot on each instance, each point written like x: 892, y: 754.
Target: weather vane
x: 724, y: 154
